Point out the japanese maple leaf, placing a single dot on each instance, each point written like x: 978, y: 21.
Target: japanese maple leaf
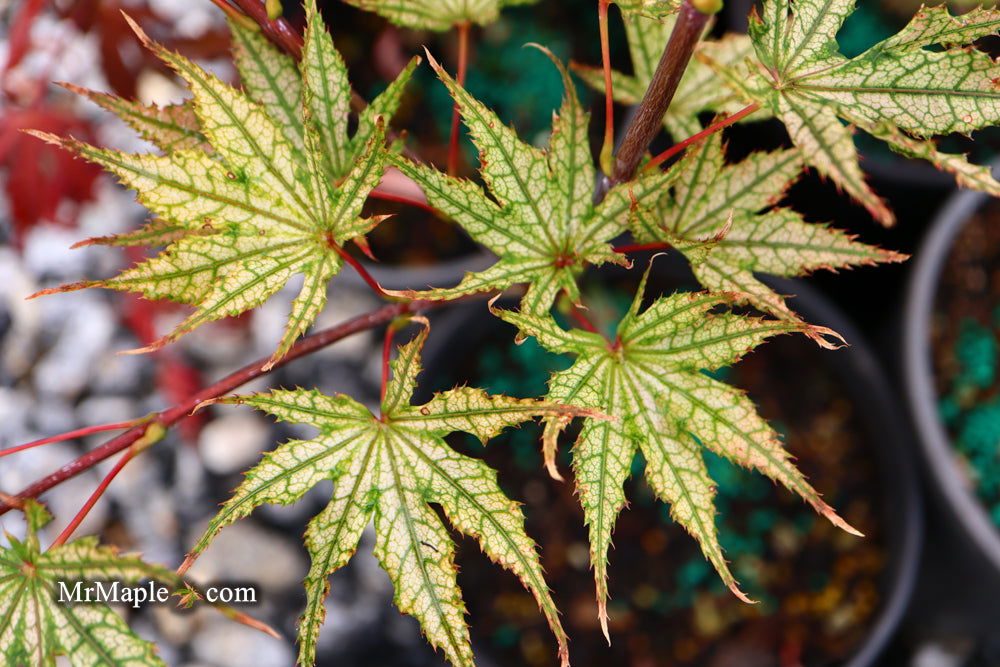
x: 240, y: 222
x: 36, y: 627
x: 387, y: 469
x: 900, y: 90
x: 700, y: 89
x: 540, y: 220
x: 170, y: 128
x: 438, y: 14
x: 724, y: 219
x: 651, y: 378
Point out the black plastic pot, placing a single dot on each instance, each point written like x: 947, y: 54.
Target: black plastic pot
x: 942, y: 465
x: 903, y: 511
x: 459, y: 335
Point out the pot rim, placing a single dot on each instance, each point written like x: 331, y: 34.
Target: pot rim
x: 879, y: 412
x: 918, y: 372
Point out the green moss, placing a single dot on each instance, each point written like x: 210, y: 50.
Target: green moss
x: 976, y: 352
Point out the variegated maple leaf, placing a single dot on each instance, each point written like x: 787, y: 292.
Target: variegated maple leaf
x: 437, y: 14
x: 387, y: 469
x: 169, y: 128
x: 700, y: 89
x: 904, y: 90
x: 651, y: 378
x: 279, y: 193
x: 36, y: 627
x: 540, y: 220
x: 724, y: 219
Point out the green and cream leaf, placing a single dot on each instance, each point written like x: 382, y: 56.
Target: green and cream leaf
x: 240, y: 219
x: 899, y: 90
x: 724, y: 218
x: 539, y: 220
x: 36, y: 627
x: 651, y: 380
x: 439, y: 14
x: 652, y: 9
x: 169, y: 128
x: 387, y: 469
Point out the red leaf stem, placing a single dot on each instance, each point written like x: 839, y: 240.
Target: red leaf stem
x: 94, y: 497
x: 71, y: 435
x: 714, y: 127
x: 386, y: 352
x: 463, y: 62
x: 402, y: 199
x: 362, y: 271
x: 639, y: 247
x: 607, y: 150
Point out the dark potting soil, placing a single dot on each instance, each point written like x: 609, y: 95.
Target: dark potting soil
x: 965, y: 333
x: 819, y: 588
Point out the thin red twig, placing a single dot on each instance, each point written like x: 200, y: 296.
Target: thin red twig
x: 386, y: 353
x: 714, y: 127
x: 362, y: 271
x: 639, y: 247
x: 582, y: 319
x: 171, y: 416
x: 94, y: 497
x: 463, y: 61
x: 607, y: 150
x: 70, y: 435
x: 402, y: 199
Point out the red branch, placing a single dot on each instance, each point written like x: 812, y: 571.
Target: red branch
x: 714, y: 127
x: 648, y: 118
x: 463, y: 62
x: 231, y: 11
x: 171, y: 416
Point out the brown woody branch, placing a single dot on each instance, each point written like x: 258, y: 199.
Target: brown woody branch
x: 645, y: 124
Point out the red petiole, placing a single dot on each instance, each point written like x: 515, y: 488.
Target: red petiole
x: 711, y: 129
x: 386, y: 353
x: 639, y: 247
x: 362, y: 271
x: 71, y: 435
x: 94, y: 497
x: 607, y: 150
x: 463, y: 62
x: 402, y: 199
